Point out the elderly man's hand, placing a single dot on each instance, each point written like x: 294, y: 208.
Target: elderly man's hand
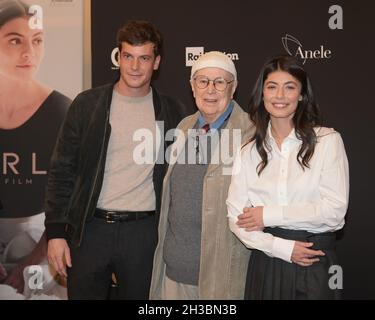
x: 251, y: 219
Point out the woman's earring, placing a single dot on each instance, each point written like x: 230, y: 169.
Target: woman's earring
x: 300, y: 98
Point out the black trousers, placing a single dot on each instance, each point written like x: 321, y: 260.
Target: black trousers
x: 125, y: 249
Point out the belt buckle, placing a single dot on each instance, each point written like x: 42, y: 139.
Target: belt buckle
x: 108, y: 218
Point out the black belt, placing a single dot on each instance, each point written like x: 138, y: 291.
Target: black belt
x: 322, y: 241
x: 122, y: 216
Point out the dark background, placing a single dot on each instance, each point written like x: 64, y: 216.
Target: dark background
x: 344, y: 84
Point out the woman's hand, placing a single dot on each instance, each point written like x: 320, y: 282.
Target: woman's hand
x: 304, y: 256
x: 251, y: 219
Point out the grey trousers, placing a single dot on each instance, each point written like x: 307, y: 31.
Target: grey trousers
x: 172, y: 290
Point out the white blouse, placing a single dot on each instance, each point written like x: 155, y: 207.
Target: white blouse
x: 314, y: 199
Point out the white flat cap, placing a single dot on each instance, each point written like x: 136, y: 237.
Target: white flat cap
x: 214, y: 59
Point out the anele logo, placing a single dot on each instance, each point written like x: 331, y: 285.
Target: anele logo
x: 193, y: 53
x: 295, y: 48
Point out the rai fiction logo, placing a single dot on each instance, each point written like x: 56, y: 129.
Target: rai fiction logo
x: 193, y: 53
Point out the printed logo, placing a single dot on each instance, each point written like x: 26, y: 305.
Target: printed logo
x: 114, y: 58
x: 193, y: 53
x: 295, y: 48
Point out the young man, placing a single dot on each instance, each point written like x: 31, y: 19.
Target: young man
x: 103, y: 207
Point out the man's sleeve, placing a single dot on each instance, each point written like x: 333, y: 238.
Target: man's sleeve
x: 63, y: 172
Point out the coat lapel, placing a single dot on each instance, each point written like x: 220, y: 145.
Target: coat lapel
x: 178, y: 146
x: 225, y: 156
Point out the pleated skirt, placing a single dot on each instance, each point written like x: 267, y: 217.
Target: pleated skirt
x: 275, y: 279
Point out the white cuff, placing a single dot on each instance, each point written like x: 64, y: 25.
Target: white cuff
x: 272, y: 216
x: 283, y: 248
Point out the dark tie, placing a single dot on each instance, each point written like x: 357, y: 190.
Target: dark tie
x: 206, y: 127
x: 204, y: 130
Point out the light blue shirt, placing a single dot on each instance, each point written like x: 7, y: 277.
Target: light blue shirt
x: 219, y: 122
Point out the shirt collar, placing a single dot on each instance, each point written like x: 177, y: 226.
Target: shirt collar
x: 219, y: 122
x: 291, y: 137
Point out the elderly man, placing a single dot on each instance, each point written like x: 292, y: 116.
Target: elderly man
x: 197, y: 257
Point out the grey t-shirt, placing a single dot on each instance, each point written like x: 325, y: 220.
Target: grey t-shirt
x: 128, y: 185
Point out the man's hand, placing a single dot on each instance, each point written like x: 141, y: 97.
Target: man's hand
x: 251, y: 219
x: 304, y: 256
x: 59, y: 256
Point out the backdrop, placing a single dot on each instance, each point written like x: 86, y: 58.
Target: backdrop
x: 335, y: 38
x: 25, y: 150
x: 62, y: 67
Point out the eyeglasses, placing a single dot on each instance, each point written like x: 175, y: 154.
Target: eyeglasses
x: 220, y: 84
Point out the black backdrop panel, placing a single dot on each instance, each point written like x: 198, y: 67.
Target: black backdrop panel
x: 251, y: 31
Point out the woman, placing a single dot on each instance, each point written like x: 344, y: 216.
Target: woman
x: 293, y: 181
x: 197, y: 256
x: 30, y: 117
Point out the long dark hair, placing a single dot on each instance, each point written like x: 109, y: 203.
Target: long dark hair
x: 11, y: 9
x: 306, y: 117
